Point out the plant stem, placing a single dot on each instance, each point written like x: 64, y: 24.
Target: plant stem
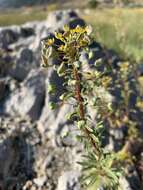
x: 81, y: 108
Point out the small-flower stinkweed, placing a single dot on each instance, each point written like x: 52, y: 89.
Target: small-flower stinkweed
x: 99, y: 168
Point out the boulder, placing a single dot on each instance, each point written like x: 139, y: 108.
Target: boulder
x: 131, y: 181
x: 25, y: 61
x: 56, y: 20
x: 51, y: 122
x: 28, y: 100
x: 5, y: 63
x: 2, y: 88
x: 125, y: 184
x: 16, y: 152
x: 69, y: 181
x: 27, y: 32
x: 8, y: 36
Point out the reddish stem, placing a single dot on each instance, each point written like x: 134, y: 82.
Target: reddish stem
x: 81, y: 107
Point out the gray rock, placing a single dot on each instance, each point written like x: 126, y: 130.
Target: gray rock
x: 16, y: 153
x: 117, y: 133
x: 56, y: 20
x: 75, y: 22
x: 24, y: 63
x: 8, y: 36
x: 140, y: 69
x: 29, y: 98
x: 7, y: 86
x: 40, y: 181
x: 69, y: 181
x: 131, y: 181
x: 67, y: 136
x: 97, y: 52
x: 2, y: 88
x: 27, y: 32
x: 116, y: 139
x: 6, y: 62
x: 41, y: 32
x: 22, y: 43
x: 133, y: 178
x: 52, y: 122
x: 124, y: 184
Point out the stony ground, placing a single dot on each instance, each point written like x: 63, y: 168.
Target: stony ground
x: 34, y: 154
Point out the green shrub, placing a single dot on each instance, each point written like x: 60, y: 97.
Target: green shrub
x: 98, y: 169
x: 83, y: 90
x: 92, y: 3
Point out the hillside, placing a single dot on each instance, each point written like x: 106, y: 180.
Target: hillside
x: 17, y: 3
x: 23, y: 3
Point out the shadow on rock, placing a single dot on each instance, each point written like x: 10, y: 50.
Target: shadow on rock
x: 16, y: 161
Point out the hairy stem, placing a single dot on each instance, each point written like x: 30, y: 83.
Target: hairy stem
x: 81, y: 108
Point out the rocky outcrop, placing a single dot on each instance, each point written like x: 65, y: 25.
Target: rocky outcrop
x: 24, y: 63
x: 58, y: 19
x: 16, y: 152
x: 28, y: 99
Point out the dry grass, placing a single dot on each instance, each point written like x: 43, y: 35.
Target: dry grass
x: 22, y: 15
x: 120, y: 29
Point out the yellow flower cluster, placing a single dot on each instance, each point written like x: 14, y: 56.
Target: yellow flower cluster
x: 124, y: 67
x: 79, y: 29
x: 106, y: 81
x: 50, y: 42
x: 71, y: 42
x: 140, y: 104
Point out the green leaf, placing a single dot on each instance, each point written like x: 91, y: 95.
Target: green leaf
x: 91, y: 54
x: 70, y: 115
x: 61, y: 69
x: 110, y: 106
x: 77, y: 64
x: 72, y: 82
x: 98, y: 62
x: 65, y: 96
x: 81, y: 124
x: 51, y: 88
x: 52, y: 105
x: 65, y: 134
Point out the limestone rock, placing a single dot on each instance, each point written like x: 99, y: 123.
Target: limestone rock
x: 24, y: 63
x: 8, y: 36
x: 29, y: 98
x: 16, y: 153
x: 69, y: 181
x: 56, y: 20
x: 2, y: 88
